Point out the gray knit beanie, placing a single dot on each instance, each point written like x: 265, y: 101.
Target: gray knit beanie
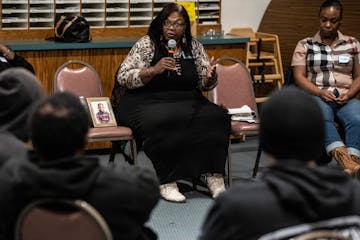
x: 19, y: 90
x: 292, y: 126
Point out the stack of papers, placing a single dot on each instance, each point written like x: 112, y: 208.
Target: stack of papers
x: 244, y: 113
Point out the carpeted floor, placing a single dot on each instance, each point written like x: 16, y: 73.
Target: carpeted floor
x: 182, y: 221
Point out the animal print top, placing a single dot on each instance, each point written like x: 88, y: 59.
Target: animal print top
x: 141, y: 55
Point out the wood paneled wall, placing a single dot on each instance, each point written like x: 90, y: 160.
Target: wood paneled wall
x: 293, y: 20
x: 105, y: 61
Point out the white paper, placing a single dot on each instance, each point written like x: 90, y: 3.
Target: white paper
x: 244, y: 113
x: 244, y: 110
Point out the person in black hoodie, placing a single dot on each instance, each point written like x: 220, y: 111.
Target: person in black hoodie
x: 124, y: 195
x: 19, y: 90
x: 292, y: 190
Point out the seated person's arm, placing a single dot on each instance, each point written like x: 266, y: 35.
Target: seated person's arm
x: 134, y: 71
x: 15, y: 60
x: 299, y: 63
x: 303, y: 82
x: 19, y: 61
x: 202, y: 66
x: 355, y: 86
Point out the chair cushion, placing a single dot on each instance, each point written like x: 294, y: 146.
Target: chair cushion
x: 238, y: 128
x: 109, y: 132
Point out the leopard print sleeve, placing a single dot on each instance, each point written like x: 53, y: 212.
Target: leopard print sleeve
x: 202, y: 65
x: 139, y: 57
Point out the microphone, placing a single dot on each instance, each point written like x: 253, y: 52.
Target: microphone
x: 171, y: 49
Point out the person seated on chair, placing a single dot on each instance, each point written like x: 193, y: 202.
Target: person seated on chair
x: 183, y: 134
x: 292, y: 189
x: 102, y: 115
x: 327, y: 65
x: 124, y: 195
x: 9, y: 59
x: 19, y: 90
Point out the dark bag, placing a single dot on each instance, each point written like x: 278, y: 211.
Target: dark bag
x: 72, y: 29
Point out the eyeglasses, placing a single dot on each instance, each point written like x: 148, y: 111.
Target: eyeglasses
x: 176, y: 25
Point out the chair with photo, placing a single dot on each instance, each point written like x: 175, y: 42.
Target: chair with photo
x: 60, y: 219
x: 81, y: 79
x: 235, y: 90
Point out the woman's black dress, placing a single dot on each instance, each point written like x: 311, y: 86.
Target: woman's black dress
x: 183, y: 134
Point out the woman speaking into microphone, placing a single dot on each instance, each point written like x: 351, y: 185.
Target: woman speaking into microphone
x: 160, y: 84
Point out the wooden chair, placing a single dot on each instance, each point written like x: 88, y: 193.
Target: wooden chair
x: 59, y: 220
x: 81, y: 79
x: 235, y: 90
x: 263, y: 58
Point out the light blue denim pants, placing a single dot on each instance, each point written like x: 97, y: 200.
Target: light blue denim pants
x: 348, y: 116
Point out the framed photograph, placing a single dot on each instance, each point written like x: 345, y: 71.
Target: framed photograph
x: 101, y: 112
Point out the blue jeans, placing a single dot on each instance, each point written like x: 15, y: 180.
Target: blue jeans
x: 348, y: 117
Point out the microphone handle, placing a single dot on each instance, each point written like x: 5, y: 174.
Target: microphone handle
x: 171, y: 54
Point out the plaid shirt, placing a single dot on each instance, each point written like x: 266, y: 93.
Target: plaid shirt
x: 328, y: 66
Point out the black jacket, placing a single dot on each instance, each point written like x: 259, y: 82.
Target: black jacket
x: 285, y: 196
x: 18, y: 61
x: 11, y: 148
x: 124, y: 195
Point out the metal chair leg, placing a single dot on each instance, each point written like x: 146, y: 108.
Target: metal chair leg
x: 112, y: 152
x: 229, y: 165
x: 257, y: 162
x: 133, y: 150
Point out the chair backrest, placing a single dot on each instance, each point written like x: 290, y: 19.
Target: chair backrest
x: 79, y: 78
x: 340, y: 228
x: 244, y: 32
x: 320, y: 235
x: 234, y: 88
x: 59, y: 220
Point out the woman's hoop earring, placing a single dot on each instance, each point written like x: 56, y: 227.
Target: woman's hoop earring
x: 184, y: 39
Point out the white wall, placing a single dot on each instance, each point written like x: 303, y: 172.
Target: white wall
x: 242, y: 13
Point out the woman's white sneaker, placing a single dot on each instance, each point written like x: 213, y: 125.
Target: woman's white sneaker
x: 170, y: 192
x: 215, y: 183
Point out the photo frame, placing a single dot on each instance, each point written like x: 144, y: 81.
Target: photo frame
x: 101, y: 112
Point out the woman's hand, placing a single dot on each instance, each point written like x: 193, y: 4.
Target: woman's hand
x: 211, y: 72
x: 7, y: 53
x: 327, y: 96
x: 342, y: 99
x: 212, y: 69
x: 166, y: 63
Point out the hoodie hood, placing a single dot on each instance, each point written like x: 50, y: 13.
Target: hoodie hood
x: 70, y: 177
x: 314, y: 193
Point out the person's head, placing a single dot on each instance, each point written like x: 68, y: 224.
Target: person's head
x: 19, y: 90
x: 59, y: 126
x: 292, y: 126
x: 101, y: 107
x: 172, y: 22
x: 330, y: 14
